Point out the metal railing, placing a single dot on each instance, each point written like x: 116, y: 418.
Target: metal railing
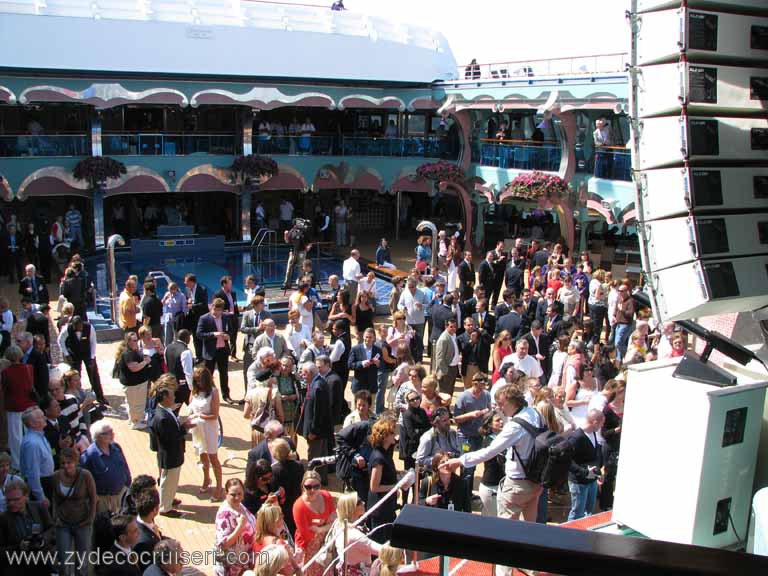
x: 122, y: 144
x: 23, y: 145
x: 521, y: 154
x: 339, y: 145
x: 565, y: 66
x: 613, y: 163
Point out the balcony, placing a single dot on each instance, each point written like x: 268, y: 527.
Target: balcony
x: 327, y: 145
x: 28, y: 145
x: 521, y: 154
x: 169, y: 144
x: 613, y: 163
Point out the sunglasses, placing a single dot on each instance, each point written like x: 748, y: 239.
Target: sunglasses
x: 309, y: 487
x: 414, y: 399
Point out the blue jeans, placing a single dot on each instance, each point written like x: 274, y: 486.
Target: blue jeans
x: 468, y: 474
x: 73, y: 539
x: 541, y: 512
x: 381, y: 394
x: 621, y: 338
x: 583, y: 498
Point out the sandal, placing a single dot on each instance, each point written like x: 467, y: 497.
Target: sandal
x: 204, y: 489
x: 218, y: 496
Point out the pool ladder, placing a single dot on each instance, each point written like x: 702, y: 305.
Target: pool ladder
x: 264, y: 250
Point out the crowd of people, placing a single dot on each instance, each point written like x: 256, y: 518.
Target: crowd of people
x: 533, y: 340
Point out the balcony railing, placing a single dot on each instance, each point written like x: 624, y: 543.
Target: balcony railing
x: 44, y: 145
x: 521, y: 154
x: 566, y: 66
x: 168, y: 144
x: 613, y: 163
x: 414, y: 146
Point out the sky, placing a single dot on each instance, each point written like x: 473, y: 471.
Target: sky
x: 509, y: 30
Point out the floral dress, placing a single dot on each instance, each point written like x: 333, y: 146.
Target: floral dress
x: 226, y: 523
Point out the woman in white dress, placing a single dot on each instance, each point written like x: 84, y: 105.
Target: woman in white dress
x: 579, y: 394
x: 204, y: 411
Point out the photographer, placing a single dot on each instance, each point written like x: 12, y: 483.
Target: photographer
x: 25, y: 526
x: 298, y: 238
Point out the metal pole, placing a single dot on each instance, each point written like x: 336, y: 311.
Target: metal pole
x: 114, y: 240
x: 397, y: 216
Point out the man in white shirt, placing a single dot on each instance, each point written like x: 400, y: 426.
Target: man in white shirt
x: 286, y: 214
x: 664, y: 349
x: 521, y: 360
x: 414, y: 302
x: 517, y: 496
x: 352, y: 274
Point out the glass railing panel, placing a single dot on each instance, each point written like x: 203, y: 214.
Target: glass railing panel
x: 27, y: 145
x: 613, y: 163
x: 521, y: 154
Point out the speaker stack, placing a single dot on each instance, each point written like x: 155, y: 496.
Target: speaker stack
x: 700, y: 143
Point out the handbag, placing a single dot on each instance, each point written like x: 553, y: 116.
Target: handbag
x: 265, y: 414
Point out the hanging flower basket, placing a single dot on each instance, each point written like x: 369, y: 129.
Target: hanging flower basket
x: 441, y: 171
x: 254, y: 166
x: 537, y: 186
x: 96, y: 170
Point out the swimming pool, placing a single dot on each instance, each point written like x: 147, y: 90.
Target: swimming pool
x: 237, y: 262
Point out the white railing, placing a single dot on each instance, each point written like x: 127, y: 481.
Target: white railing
x: 287, y: 16
x: 565, y: 66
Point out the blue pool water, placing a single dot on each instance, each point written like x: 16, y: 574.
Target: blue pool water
x: 209, y: 269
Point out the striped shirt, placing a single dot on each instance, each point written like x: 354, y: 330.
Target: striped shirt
x: 74, y: 219
x: 70, y: 416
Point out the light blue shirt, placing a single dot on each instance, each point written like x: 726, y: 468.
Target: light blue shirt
x: 175, y: 304
x: 36, y: 461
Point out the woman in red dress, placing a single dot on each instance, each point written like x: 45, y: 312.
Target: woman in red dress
x: 314, y: 513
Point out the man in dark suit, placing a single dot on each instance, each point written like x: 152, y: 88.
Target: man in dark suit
x: 336, y: 386
x: 541, y: 257
x: 466, y: 276
x: 126, y: 532
x: 197, y: 306
x: 440, y: 314
x: 78, y: 345
x: 147, y: 508
x: 538, y: 346
x: 213, y: 331
x: 530, y: 304
x: 315, y: 422
x: 511, y: 322
x: 33, y: 286
x: 514, y: 276
x: 365, y: 360
x: 585, y: 465
x: 231, y: 309
x: 543, y: 304
x: 469, y: 343
x: 37, y: 325
x: 168, y: 440
x: 13, y: 252
x: 485, y: 277
x: 499, y: 267
x: 505, y: 306
x: 553, y: 321
x: 39, y: 364
x: 484, y: 320
x: 152, y: 309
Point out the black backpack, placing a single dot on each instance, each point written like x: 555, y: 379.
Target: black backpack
x: 550, y: 458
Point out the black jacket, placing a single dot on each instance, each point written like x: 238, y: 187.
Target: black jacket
x: 146, y: 544
x: 10, y: 540
x: 168, y: 438
x: 489, y: 324
x: 365, y: 378
x: 38, y: 324
x: 456, y: 493
x: 38, y: 296
x: 152, y: 310
x: 206, y: 326
x: 513, y: 277
x: 585, y: 455
x: 466, y: 279
x: 316, y: 417
x: 40, y: 366
x: 236, y: 312
x: 511, y: 322
x: 486, y: 277
x: 440, y: 315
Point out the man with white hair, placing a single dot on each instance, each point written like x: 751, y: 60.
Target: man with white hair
x: 315, y: 422
x: 105, y: 460
x: 261, y: 369
x: 36, y: 456
x: 523, y: 361
x: 262, y: 451
x: 32, y: 357
x: 352, y: 274
x: 33, y: 286
x: 664, y: 348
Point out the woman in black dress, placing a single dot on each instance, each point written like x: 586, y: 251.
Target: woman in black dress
x: 443, y: 488
x: 363, y: 314
x: 287, y: 473
x: 383, y: 476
